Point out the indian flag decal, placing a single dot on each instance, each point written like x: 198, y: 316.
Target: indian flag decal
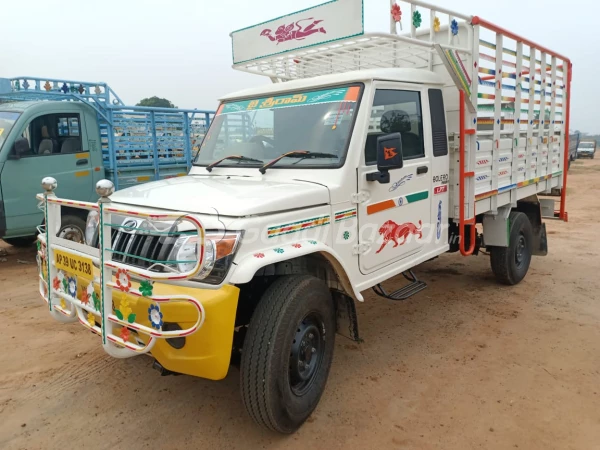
x: 345, y: 215
x: 397, y: 202
x: 300, y: 225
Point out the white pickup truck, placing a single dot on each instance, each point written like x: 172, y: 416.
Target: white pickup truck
x: 368, y: 155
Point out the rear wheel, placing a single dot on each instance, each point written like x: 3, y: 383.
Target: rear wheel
x: 287, y: 352
x: 510, y: 264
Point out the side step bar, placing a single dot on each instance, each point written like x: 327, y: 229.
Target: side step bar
x: 414, y: 286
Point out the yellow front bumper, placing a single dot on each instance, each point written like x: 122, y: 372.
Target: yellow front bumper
x: 207, y: 352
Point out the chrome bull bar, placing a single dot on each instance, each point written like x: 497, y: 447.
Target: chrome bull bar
x: 65, y: 267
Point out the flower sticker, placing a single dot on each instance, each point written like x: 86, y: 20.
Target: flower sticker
x: 436, y: 24
x: 72, y: 287
x: 96, y: 300
x: 312, y: 242
x: 125, y: 334
x: 86, y: 294
x: 56, y: 283
x: 396, y: 12
x: 259, y: 255
x: 91, y: 319
x: 146, y: 288
x: 278, y: 250
x: 417, y: 19
x: 123, y: 280
x: 297, y: 245
x: 346, y: 235
x: 454, y: 27
x: 63, y: 304
x: 155, y: 316
x: 124, y: 312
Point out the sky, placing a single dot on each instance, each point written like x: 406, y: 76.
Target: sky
x: 181, y: 49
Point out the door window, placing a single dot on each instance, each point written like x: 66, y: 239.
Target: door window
x: 54, y: 134
x: 398, y: 111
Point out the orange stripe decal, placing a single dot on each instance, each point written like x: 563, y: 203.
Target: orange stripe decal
x: 381, y: 206
x: 83, y: 173
x: 82, y: 155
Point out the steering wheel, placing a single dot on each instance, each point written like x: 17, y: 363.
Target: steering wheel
x: 262, y: 140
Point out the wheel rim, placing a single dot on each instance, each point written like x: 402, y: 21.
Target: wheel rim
x: 521, y: 251
x: 71, y: 233
x: 306, y: 353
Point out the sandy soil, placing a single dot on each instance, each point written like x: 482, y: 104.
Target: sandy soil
x: 465, y: 364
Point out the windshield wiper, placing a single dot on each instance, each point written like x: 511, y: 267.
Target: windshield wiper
x: 303, y: 154
x: 238, y: 157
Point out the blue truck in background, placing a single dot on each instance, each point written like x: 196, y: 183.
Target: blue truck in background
x: 81, y: 132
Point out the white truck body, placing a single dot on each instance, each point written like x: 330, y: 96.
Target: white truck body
x: 368, y: 155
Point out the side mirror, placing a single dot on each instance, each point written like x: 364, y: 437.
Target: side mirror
x: 21, y: 148
x: 389, y: 157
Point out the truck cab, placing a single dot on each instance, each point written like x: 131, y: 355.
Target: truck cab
x: 38, y: 138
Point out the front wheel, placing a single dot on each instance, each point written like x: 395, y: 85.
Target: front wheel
x: 510, y: 264
x: 72, y: 228
x: 287, y: 352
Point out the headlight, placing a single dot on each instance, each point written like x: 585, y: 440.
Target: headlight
x: 219, y: 251
x: 91, y: 228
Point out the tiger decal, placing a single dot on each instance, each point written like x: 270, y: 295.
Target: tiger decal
x: 398, y: 234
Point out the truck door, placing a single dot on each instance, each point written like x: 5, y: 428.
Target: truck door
x: 395, y: 221
x: 57, y: 147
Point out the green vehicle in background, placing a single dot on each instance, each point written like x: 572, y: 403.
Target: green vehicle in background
x: 79, y: 133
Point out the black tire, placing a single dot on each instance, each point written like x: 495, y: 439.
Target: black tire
x: 510, y: 264
x: 293, y: 322
x: 72, y: 228
x: 21, y: 242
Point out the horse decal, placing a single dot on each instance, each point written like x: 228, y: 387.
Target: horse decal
x: 294, y: 31
x: 391, y: 231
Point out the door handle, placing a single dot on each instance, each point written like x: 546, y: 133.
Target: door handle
x: 82, y: 162
x: 422, y: 169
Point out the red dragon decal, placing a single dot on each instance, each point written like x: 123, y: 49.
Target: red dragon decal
x: 290, y: 33
x: 391, y: 231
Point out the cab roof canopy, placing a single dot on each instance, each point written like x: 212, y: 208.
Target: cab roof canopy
x: 316, y: 41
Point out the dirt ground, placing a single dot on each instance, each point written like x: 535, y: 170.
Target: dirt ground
x: 465, y: 364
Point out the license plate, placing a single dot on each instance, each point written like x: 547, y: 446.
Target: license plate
x: 74, y: 264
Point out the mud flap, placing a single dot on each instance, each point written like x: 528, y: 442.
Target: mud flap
x: 540, y: 241
x: 346, y: 318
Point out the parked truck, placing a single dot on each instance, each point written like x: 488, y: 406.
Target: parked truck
x: 81, y: 132
x: 363, y: 160
x: 587, y: 148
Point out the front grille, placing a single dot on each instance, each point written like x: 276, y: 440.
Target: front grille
x: 130, y: 248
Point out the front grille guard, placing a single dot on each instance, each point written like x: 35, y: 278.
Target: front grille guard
x: 67, y: 302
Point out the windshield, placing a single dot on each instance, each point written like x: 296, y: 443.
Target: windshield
x: 586, y: 145
x: 266, y: 128
x: 7, y: 120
